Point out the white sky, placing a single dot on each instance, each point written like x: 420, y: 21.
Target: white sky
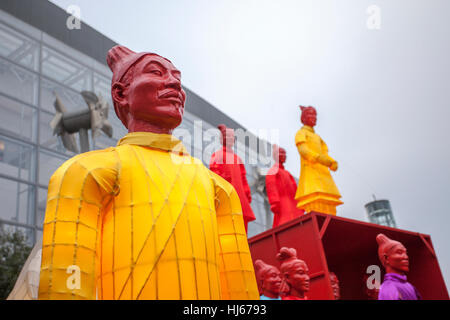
x: 382, y: 96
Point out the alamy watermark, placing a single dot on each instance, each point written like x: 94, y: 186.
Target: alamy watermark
x: 74, y: 280
x: 74, y: 20
x: 374, y: 18
x: 201, y: 144
x: 374, y: 280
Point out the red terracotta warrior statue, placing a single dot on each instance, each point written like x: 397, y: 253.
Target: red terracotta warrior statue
x: 269, y: 280
x: 335, y: 286
x: 229, y: 166
x: 294, y: 273
x: 281, y: 188
x: 395, y: 260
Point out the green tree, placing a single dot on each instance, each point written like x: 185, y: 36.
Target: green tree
x: 14, y: 251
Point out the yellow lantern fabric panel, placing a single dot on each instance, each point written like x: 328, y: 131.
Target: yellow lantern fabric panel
x: 144, y: 220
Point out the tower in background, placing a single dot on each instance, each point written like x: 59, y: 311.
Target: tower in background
x: 380, y: 212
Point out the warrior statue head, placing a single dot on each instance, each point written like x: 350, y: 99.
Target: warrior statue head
x: 146, y: 90
x: 393, y: 255
x: 309, y: 116
x: 268, y: 278
x: 278, y: 154
x: 294, y: 272
x: 227, y: 136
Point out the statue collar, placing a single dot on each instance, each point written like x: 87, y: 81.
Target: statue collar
x: 308, y: 128
x: 162, y: 141
x: 395, y: 277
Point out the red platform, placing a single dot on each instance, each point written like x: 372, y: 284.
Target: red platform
x: 347, y: 247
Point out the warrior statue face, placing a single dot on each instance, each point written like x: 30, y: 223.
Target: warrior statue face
x: 271, y: 282
x: 282, y: 155
x: 297, y: 276
x: 149, y: 96
x: 294, y: 272
x: 227, y: 136
x: 397, y: 260
x: 269, y: 279
x: 392, y: 255
x: 309, y: 116
x: 278, y: 154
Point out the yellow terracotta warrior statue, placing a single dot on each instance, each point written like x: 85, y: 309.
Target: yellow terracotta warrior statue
x: 144, y: 219
x: 316, y: 189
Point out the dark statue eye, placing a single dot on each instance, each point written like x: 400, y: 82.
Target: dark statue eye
x: 157, y: 72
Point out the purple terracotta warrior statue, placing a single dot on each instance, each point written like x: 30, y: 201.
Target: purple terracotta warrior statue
x: 395, y: 260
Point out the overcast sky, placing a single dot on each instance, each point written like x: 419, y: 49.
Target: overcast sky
x: 382, y: 95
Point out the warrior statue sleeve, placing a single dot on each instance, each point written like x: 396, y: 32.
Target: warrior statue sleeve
x: 272, y: 192
x: 236, y: 267
x: 214, y: 166
x: 300, y: 139
x: 248, y: 193
x: 294, y: 183
x: 77, y: 193
x: 325, y: 151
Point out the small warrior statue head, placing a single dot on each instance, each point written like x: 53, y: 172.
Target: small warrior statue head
x: 278, y: 154
x: 268, y: 278
x: 294, y: 273
x: 146, y: 91
x: 393, y: 255
x: 309, y: 116
x: 227, y: 136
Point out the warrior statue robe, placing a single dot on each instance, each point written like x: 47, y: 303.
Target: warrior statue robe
x: 316, y: 189
x: 281, y: 188
x: 143, y: 220
x: 229, y: 166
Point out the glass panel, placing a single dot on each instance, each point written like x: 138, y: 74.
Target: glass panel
x: 103, y: 141
x: 38, y: 234
x: 119, y: 130
x: 16, y: 159
x: 188, y: 125
x: 102, y: 87
x: 50, y: 141
x: 17, y: 201
x: 65, y: 70
x: 72, y: 100
x: 19, y: 48
x: 17, y: 119
x: 101, y: 69
x: 252, y: 173
x: 41, y: 206
x: 17, y: 82
x: 48, y: 163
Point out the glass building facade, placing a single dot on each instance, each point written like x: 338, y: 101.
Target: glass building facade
x: 34, y: 66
